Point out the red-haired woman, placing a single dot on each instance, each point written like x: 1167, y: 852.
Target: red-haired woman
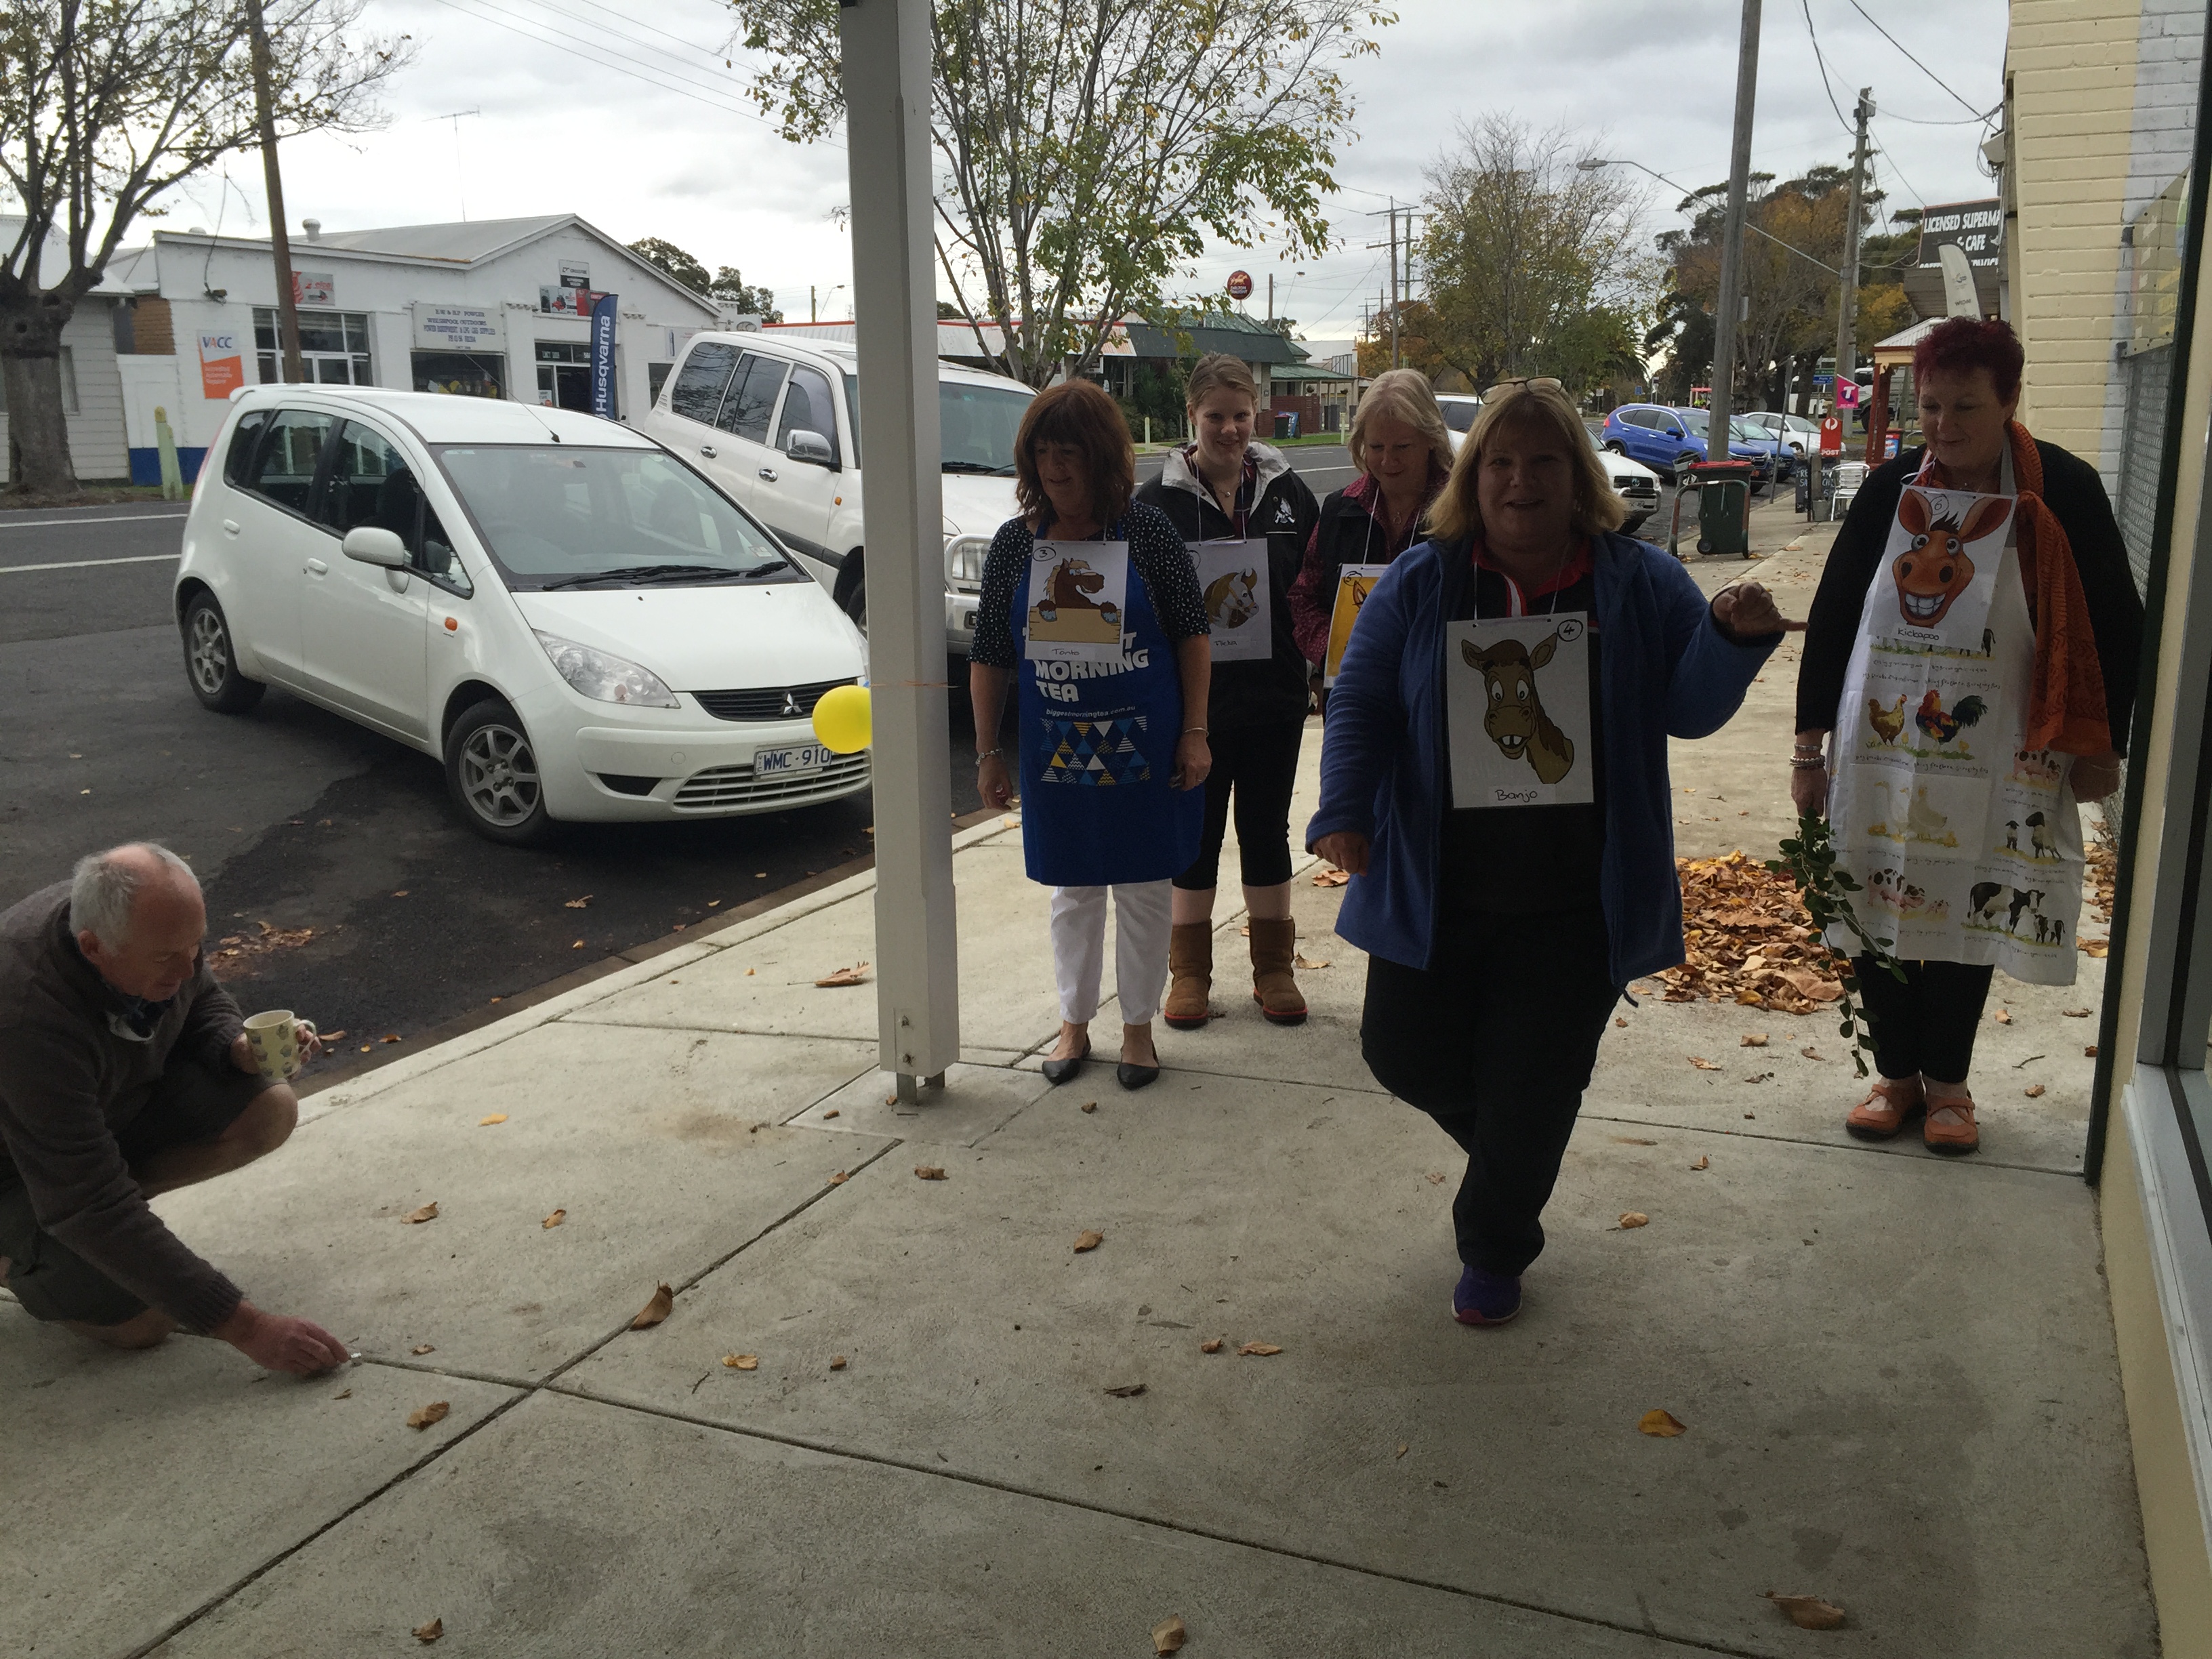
x: 1092, y: 597
x: 1969, y: 670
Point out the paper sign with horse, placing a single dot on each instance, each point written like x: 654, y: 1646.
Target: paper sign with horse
x: 1076, y: 595
x: 1517, y: 706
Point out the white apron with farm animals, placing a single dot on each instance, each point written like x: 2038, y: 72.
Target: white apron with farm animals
x: 1967, y: 844
x: 1517, y: 711
x: 1235, y: 579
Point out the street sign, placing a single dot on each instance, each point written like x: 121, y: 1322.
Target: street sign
x: 1240, y: 284
x: 1832, y: 435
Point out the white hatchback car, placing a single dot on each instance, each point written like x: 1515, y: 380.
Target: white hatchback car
x: 1637, y: 485
x: 774, y: 419
x: 576, y: 622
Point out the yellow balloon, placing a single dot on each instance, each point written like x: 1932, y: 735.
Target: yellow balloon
x: 844, y: 719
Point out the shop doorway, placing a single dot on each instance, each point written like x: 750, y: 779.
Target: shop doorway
x: 564, y: 377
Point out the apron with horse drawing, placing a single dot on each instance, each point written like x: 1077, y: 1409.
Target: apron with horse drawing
x: 1967, y: 844
x: 1097, y: 745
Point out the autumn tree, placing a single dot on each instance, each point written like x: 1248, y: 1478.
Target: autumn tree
x: 1535, y: 265
x: 1086, y: 150
x: 105, y: 105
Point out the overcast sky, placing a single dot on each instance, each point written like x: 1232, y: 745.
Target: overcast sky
x: 625, y: 115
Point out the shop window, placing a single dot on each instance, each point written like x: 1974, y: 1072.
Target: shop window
x: 461, y: 374
x: 333, y: 347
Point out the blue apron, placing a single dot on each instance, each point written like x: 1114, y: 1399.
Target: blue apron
x: 1096, y: 751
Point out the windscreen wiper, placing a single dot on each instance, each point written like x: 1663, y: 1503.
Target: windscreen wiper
x: 983, y: 467
x: 634, y: 573
x: 684, y: 573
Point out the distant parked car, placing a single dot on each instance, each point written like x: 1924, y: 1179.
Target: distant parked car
x: 1782, y: 460
x: 1801, y: 434
x: 1460, y: 410
x: 1670, y: 440
x: 1637, y: 485
x: 577, y: 623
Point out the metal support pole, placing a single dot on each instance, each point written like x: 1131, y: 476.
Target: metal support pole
x: 1728, y: 304
x: 1847, y: 302
x: 886, y: 46
x: 280, y: 238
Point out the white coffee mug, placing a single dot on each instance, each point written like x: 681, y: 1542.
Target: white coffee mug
x: 275, y: 1036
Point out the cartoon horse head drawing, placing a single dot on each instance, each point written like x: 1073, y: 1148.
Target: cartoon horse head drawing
x: 1231, y: 599
x: 1934, y: 570
x: 1514, y: 716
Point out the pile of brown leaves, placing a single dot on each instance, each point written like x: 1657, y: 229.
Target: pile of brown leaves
x: 1749, y: 940
x: 236, y: 954
x: 2101, y: 859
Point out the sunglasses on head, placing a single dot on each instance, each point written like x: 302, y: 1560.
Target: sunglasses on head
x: 1524, y: 379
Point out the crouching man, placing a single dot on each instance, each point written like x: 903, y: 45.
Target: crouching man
x: 126, y: 1071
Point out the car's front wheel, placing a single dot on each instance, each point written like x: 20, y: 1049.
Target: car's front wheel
x: 1614, y: 446
x: 492, y: 770
x: 211, y: 662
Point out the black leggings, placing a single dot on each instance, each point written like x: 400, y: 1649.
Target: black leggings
x: 1260, y: 763
x: 1927, y: 1025
x: 1496, y: 1042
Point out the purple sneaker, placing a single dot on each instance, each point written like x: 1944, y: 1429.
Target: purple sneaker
x: 1483, y: 1299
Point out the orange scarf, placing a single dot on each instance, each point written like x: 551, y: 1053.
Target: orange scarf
x: 2066, y: 707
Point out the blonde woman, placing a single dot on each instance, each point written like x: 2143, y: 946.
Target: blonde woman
x: 1404, y: 455
x: 1501, y: 923
x: 1224, y: 487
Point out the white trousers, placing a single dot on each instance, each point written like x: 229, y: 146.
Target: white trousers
x: 1142, y: 911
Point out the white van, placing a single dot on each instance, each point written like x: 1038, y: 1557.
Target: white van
x: 775, y: 420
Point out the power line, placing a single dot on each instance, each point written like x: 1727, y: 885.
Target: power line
x: 1823, y: 63
x: 1916, y: 63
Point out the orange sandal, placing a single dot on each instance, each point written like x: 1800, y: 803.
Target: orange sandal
x: 1949, y: 1126
x: 1887, y: 1110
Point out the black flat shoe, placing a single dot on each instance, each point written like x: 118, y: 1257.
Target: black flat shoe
x: 1135, y: 1077
x: 1062, y: 1070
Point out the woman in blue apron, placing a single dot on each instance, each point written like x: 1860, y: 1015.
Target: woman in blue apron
x: 1092, y: 600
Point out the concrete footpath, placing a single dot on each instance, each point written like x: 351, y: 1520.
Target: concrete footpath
x: 898, y: 1415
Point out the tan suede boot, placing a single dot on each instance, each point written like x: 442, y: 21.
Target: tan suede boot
x: 1273, y: 945
x: 1190, y: 976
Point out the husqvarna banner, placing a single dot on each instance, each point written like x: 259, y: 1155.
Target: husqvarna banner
x: 603, y: 357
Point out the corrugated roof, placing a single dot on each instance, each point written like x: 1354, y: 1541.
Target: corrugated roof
x: 1238, y: 336
x: 464, y: 242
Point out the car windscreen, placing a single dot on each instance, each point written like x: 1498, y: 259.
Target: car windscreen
x: 562, y: 515
x: 976, y: 424
x: 1692, y: 420
x: 1460, y: 417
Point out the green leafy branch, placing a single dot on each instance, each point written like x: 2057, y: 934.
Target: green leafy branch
x: 1809, y: 860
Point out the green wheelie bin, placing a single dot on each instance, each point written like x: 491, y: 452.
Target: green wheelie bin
x: 1723, y: 489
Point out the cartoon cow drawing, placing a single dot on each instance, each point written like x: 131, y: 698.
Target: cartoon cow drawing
x: 2042, y: 930
x: 2057, y: 930
x: 1983, y: 900
x: 2039, y: 837
x: 2023, y: 898
x: 1515, y: 720
x: 2012, y: 834
x: 1231, y: 600
x: 1934, y: 568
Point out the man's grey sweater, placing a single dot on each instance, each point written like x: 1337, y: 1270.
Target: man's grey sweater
x: 69, y: 1079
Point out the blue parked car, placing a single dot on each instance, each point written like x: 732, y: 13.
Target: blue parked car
x: 1668, y: 440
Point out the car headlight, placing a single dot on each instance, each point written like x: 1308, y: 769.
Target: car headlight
x: 963, y: 561
x: 606, y: 678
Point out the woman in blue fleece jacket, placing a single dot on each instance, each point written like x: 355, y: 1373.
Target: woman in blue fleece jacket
x: 1494, y: 777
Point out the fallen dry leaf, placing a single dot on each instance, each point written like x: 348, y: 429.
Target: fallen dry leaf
x: 2035, y: 1091
x: 2075, y: 1013
x: 1634, y: 1140
x: 837, y: 1362
x: 388, y: 1037
x: 2003, y: 1017
x: 334, y: 1036
x: 655, y: 1310
x: 343, y: 1393
x: 577, y: 903
x: 1261, y: 1350
x: 235, y: 956
x: 1753, y: 1040
x: 430, y: 1632
x: 856, y: 974
x: 1660, y: 1423
x: 402, y: 893
x: 424, y: 1416
x: 1169, y: 1635
x: 555, y: 1219
x: 2099, y: 948
x: 1810, y: 1053
x: 486, y: 1122
x: 1621, y: 1021
x: 424, y: 1347
x: 1703, y: 1163
x: 1633, y: 1219
x: 1807, y: 1612
x: 1211, y: 1344
x: 1090, y: 1105
x: 1747, y: 940
x: 749, y: 972
x: 831, y: 1113
x: 427, y: 1213
x: 1299, y: 961
x: 1088, y: 1240
x: 1328, y: 878
x: 930, y: 1171
x: 1126, y: 1391
x: 742, y: 1362
x: 577, y: 945
x: 2090, y: 1052
x: 840, y: 1178
x: 1703, y: 1064
x: 1436, y: 1178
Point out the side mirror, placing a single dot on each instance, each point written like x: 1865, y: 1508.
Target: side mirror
x: 805, y: 445
x: 373, y: 545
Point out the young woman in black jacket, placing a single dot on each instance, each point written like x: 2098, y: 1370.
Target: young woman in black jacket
x: 1224, y: 487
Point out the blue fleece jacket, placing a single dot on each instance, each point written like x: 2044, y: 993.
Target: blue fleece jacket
x: 1665, y: 670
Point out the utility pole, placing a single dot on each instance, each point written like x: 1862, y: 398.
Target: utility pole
x: 280, y: 239
x: 1394, y: 282
x: 1271, y: 296
x: 1848, y: 297
x: 1718, y: 418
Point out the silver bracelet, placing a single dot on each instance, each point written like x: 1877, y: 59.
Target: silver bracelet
x: 988, y: 753
x: 1806, y: 763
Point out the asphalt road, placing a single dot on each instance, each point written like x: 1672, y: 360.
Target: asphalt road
x: 297, y: 819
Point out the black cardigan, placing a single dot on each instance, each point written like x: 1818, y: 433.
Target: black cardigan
x: 2075, y: 496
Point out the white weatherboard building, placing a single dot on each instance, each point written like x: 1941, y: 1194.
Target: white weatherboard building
x: 487, y: 308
